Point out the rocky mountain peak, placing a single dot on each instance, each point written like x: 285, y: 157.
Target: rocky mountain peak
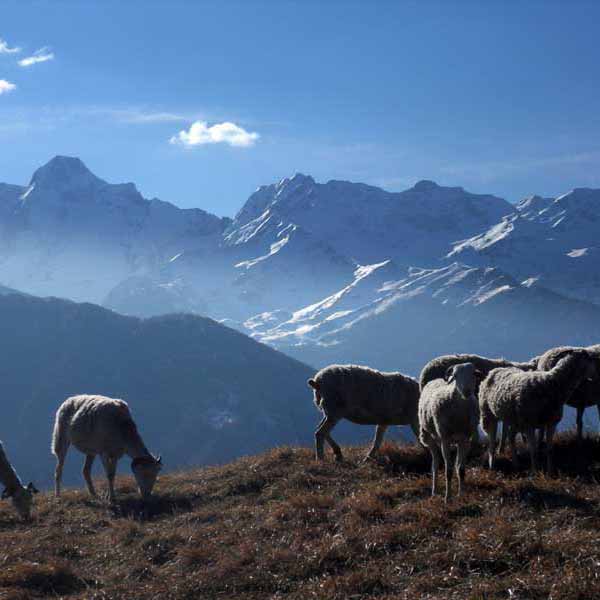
x: 425, y: 185
x: 64, y: 172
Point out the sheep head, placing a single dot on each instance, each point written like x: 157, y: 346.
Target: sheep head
x: 22, y: 499
x: 145, y: 470
x: 466, y: 378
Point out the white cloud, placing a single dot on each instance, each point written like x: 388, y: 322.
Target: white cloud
x: 4, y: 48
x: 228, y: 133
x: 6, y: 86
x: 39, y: 56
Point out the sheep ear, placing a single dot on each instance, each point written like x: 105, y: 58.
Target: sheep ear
x: 6, y: 494
x: 159, y: 460
x: 449, y: 376
x: 32, y: 488
x: 313, y: 384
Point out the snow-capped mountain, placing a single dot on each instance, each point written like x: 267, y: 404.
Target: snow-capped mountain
x: 368, y: 224
x: 400, y: 324
x: 70, y: 234
x: 553, y: 241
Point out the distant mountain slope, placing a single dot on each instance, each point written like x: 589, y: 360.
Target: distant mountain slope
x: 400, y: 324
x: 201, y: 392
x: 556, y: 241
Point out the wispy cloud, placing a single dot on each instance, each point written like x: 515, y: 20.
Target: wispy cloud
x: 39, y: 56
x: 5, y: 49
x: 139, y: 115
x: 6, y: 86
x: 200, y: 133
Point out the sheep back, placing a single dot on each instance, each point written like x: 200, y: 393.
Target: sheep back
x: 95, y: 424
x: 366, y: 396
x: 587, y: 392
x: 436, y: 368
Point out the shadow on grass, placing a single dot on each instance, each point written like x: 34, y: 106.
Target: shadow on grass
x: 144, y: 510
x: 544, y: 499
x: 571, y: 458
x: 48, y: 579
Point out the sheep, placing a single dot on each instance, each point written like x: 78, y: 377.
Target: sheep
x: 20, y: 495
x: 448, y: 414
x: 527, y: 401
x: 438, y: 367
x: 586, y: 394
x: 104, y: 426
x: 366, y: 397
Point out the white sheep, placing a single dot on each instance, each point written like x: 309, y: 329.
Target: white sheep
x: 20, y: 495
x: 100, y: 425
x: 364, y: 396
x: 587, y: 394
x: 530, y: 400
x: 438, y: 367
x: 448, y: 414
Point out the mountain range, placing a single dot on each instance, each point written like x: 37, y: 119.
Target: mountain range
x: 326, y: 272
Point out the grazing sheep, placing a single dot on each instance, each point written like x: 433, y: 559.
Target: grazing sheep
x: 104, y: 426
x: 20, y: 495
x: 526, y: 400
x: 448, y: 414
x: 364, y: 396
x: 587, y: 393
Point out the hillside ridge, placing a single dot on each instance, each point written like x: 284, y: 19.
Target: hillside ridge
x: 280, y: 525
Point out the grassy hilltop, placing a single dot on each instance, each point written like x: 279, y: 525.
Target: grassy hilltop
x: 280, y: 525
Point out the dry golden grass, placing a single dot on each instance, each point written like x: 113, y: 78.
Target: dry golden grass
x: 280, y: 525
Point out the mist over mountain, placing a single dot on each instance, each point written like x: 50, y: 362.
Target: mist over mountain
x: 337, y: 271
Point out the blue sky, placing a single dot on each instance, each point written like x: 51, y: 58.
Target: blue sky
x: 497, y: 97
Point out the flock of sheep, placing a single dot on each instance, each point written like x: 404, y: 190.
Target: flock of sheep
x: 457, y: 392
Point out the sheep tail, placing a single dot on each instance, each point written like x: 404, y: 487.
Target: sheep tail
x: 60, y: 440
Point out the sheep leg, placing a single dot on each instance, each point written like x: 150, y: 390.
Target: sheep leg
x: 540, y: 440
x: 415, y: 429
x: 461, y: 457
x: 550, y: 429
x: 435, y: 467
x: 335, y: 447
x: 321, y: 434
x: 580, y: 410
x: 377, y: 440
x: 87, y: 473
x: 318, y: 440
x: 492, y: 430
x: 60, y: 463
x: 503, y: 438
x: 428, y: 442
x: 513, y: 448
x: 448, y: 467
x: 110, y: 467
x: 532, y: 448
